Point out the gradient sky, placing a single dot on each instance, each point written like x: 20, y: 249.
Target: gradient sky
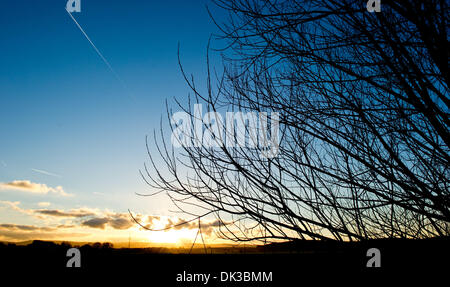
x: 68, y: 125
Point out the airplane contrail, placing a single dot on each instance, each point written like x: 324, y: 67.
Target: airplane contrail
x: 45, y: 172
x: 99, y: 53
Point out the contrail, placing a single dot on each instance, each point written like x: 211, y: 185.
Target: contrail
x: 45, y: 172
x: 99, y: 53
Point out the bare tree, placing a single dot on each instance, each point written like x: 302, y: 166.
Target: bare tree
x: 364, y: 128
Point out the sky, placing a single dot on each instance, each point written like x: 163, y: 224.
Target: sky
x: 72, y: 129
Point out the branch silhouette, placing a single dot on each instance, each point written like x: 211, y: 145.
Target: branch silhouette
x: 364, y: 128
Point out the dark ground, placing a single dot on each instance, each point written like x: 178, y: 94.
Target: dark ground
x: 290, y: 263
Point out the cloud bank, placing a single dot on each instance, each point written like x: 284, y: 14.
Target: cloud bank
x: 61, y: 213
x: 86, y: 220
x: 31, y: 187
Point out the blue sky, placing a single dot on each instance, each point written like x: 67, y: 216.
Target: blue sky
x: 67, y: 121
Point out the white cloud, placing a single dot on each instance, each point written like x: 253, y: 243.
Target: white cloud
x: 14, y: 205
x: 28, y: 186
x: 43, y: 204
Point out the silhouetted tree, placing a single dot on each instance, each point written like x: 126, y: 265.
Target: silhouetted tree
x: 364, y: 128
x: 107, y: 245
x: 97, y: 245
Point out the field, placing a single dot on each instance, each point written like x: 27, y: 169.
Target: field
x: 284, y: 262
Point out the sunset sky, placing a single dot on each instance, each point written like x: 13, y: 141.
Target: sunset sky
x: 72, y: 132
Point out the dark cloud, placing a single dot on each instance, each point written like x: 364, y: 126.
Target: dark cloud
x: 120, y: 223
x: 207, y: 227
x: 116, y: 221
x: 96, y: 222
x: 180, y: 224
x: 216, y: 223
x: 7, y: 226
x: 59, y: 213
x: 31, y: 232
x: 24, y: 184
x: 37, y: 235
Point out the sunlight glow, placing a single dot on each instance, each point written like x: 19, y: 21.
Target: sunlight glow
x: 182, y: 236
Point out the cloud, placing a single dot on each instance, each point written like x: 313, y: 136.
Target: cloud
x: 11, y: 204
x: 43, y: 204
x: 32, y: 232
x: 151, y: 220
x: 63, y: 221
x: 96, y: 222
x: 14, y: 205
x: 47, y: 213
x: 123, y: 221
x: 8, y: 226
x: 61, y: 213
x: 90, y: 217
x: 206, y: 226
x: 181, y: 224
x: 120, y: 221
x: 66, y: 226
x: 28, y: 186
x: 117, y: 221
